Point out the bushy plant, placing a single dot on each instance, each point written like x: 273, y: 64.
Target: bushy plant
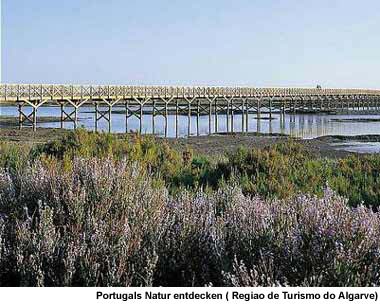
x: 105, y: 222
x: 278, y: 171
x: 13, y: 156
x: 285, y: 169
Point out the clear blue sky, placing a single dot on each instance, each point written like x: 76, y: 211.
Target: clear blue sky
x: 210, y: 42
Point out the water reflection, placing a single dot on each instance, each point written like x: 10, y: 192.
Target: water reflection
x: 169, y: 125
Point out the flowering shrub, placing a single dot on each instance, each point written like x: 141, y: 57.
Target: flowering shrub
x: 105, y: 222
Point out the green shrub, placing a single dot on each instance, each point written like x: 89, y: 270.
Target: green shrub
x: 278, y: 171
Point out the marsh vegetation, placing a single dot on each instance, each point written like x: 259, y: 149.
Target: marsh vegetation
x: 94, y: 209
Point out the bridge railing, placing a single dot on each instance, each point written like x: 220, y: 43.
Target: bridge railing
x: 15, y: 92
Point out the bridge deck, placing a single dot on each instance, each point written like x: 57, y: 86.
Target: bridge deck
x: 20, y: 92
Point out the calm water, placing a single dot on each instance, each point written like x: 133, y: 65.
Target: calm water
x: 299, y: 125
x: 360, y: 147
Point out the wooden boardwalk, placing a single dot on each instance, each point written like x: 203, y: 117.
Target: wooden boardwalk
x: 189, y: 101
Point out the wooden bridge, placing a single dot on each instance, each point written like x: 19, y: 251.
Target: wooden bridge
x: 189, y: 101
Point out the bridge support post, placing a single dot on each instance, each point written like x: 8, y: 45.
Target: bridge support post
x: 216, y: 116
x: 232, y: 115
x: 209, y: 115
x: 189, y: 102
x: 126, y: 104
x: 227, y: 107
x: 109, y: 118
x: 258, y: 110
x: 270, y: 108
x: 133, y: 108
x: 247, y: 107
x: 69, y: 116
x: 176, y: 119
x: 20, y: 116
x: 166, y: 118
x: 106, y: 115
x: 368, y: 103
x: 210, y: 105
x: 140, y: 117
x: 189, y: 119
x: 362, y: 103
x: 270, y: 126
x: 154, y: 117
x: 27, y: 117
x: 283, y: 106
x: 198, y: 115
x: 96, y: 117
x: 282, y: 123
x: 311, y: 103
x: 242, y: 114
x: 35, y: 118
x: 228, y: 114
x: 62, y: 117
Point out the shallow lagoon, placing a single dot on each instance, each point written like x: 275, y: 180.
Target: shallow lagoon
x: 305, y: 126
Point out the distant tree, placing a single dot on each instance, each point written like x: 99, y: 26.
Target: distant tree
x: 319, y: 87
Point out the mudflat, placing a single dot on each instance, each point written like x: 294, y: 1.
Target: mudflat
x: 216, y: 144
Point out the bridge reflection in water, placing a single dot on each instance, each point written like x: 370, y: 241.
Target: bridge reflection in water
x: 223, y: 109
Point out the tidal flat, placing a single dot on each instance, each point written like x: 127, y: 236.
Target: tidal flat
x: 326, y: 146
